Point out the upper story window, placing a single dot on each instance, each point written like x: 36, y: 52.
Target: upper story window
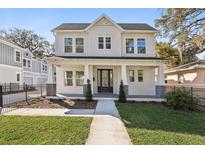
x: 24, y: 62
x: 18, y: 56
x: 100, y: 43
x: 27, y: 63
x: 140, y: 75
x: 141, y: 46
x: 108, y: 42
x: 79, y: 42
x: 104, y: 42
x: 68, y: 45
x: 129, y: 45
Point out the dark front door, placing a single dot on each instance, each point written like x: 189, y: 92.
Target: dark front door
x: 105, y: 80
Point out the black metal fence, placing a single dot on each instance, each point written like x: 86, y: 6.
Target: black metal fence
x: 14, y: 92
x: 196, y: 91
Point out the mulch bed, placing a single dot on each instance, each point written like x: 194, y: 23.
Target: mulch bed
x: 44, y: 103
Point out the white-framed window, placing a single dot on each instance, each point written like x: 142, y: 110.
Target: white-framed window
x: 129, y: 45
x: 46, y: 68
x: 108, y: 42
x: 24, y: 62
x: 131, y: 75
x: 68, y: 78
x: 68, y: 45
x: 79, y: 45
x: 29, y: 63
x: 104, y: 42
x: 18, y: 77
x: 141, y: 46
x: 140, y: 75
x: 100, y: 42
x: 79, y: 78
x: 17, y: 56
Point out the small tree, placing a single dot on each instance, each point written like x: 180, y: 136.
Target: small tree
x: 88, y: 95
x: 122, y: 96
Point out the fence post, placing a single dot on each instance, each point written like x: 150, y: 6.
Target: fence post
x: 10, y: 88
x: 26, y: 92
x: 1, y: 96
x: 41, y: 91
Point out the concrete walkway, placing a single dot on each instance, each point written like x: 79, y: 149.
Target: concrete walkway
x: 48, y: 112
x: 107, y: 127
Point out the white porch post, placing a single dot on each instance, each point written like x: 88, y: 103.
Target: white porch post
x: 160, y: 75
x: 124, y: 74
x: 86, y: 73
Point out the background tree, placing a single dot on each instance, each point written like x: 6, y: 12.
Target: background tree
x: 185, y: 29
x: 29, y: 40
x: 171, y: 54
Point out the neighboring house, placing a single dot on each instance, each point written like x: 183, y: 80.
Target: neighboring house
x: 17, y: 65
x: 106, y: 52
x: 192, y: 73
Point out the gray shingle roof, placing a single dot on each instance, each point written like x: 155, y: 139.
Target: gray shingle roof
x: 126, y: 26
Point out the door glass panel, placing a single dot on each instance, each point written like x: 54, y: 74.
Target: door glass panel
x: 98, y: 78
x: 111, y: 78
x: 105, y: 78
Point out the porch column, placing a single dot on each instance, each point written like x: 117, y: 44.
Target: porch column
x: 86, y: 77
x: 160, y: 75
x: 160, y: 85
x: 86, y: 73
x: 124, y: 78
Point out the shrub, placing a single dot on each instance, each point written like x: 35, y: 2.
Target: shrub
x: 181, y: 99
x: 88, y: 95
x: 122, y: 96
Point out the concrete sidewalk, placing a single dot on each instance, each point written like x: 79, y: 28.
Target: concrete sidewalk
x: 107, y: 126
x: 47, y: 112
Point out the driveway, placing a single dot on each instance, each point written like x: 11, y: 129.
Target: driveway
x: 107, y: 126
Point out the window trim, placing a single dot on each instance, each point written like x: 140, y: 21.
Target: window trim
x: 79, y: 45
x: 137, y: 45
x: 27, y: 59
x: 140, y: 76
x: 132, y: 76
x: 15, y: 56
x: 79, y: 78
x: 72, y: 46
x: 126, y: 45
x: 19, y: 77
x: 104, y: 42
x: 68, y: 78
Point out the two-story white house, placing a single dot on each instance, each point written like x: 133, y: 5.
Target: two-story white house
x: 18, y: 65
x: 106, y: 52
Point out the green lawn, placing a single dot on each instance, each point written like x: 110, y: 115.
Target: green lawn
x: 43, y: 130
x: 156, y: 124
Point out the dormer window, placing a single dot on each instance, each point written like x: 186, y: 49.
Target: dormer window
x: 68, y: 45
x: 129, y: 45
x: 104, y: 42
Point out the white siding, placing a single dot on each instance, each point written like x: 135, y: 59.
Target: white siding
x: 147, y: 87
x: 60, y: 81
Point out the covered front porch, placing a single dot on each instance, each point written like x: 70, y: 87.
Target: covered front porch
x: 141, y: 78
